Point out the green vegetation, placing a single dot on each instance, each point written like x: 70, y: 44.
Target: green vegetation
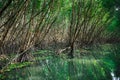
x: 96, y: 66
x: 60, y: 39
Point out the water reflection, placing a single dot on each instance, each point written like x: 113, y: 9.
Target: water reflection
x: 114, y: 77
x: 99, y: 63
x: 17, y: 74
x: 116, y: 58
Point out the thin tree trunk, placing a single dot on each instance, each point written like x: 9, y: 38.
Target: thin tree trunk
x: 70, y: 54
x: 5, y: 7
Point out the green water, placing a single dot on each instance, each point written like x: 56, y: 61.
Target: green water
x: 96, y: 63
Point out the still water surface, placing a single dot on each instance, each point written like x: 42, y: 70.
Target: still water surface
x: 96, y: 63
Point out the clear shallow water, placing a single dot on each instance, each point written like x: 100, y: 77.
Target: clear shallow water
x: 99, y: 63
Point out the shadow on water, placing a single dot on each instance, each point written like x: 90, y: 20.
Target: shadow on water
x: 97, y: 63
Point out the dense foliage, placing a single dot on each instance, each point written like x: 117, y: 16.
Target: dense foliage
x: 62, y: 26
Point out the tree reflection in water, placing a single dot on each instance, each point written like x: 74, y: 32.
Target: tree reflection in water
x: 98, y: 65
